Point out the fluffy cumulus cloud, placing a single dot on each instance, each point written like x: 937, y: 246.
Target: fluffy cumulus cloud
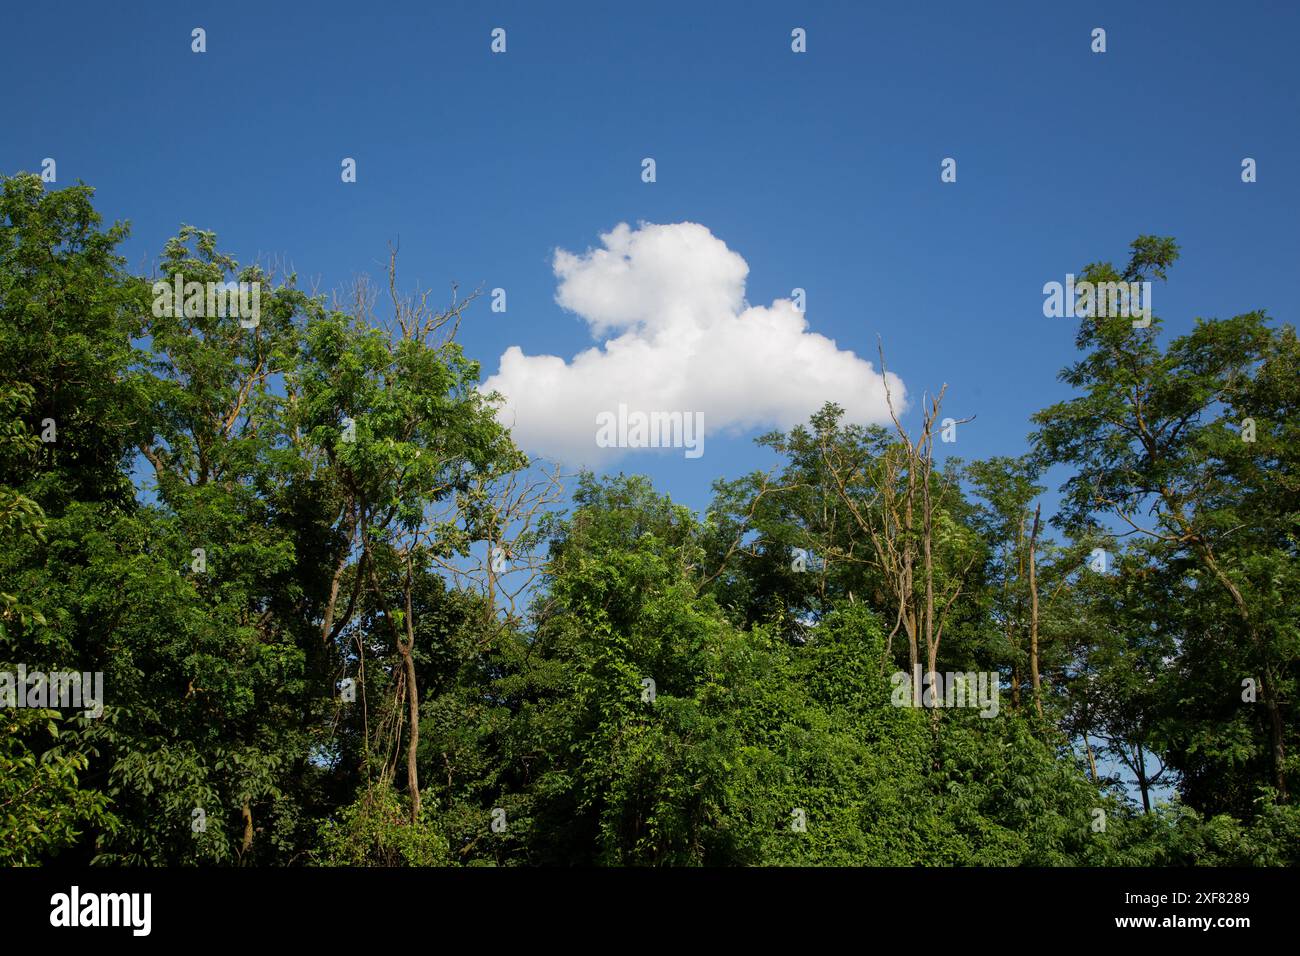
x: 668, y: 301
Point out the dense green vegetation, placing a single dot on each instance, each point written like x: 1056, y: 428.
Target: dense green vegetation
x: 342, y: 620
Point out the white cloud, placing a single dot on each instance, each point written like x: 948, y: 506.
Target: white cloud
x: 670, y: 300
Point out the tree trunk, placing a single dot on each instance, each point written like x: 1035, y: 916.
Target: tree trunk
x: 412, y: 700
x: 1143, y: 785
x: 247, y: 813
x: 405, y: 648
x: 1276, y: 731
x: 413, y: 741
x: 327, y: 622
x: 1033, y: 612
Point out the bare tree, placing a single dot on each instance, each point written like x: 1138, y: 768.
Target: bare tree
x: 899, y: 518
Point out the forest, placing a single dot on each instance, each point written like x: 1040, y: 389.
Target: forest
x: 337, y: 618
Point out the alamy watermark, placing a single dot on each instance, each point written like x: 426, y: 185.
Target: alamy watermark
x: 60, y: 690
x: 974, y: 689
x: 75, y: 908
x: 626, y: 429
x: 1100, y: 299
x: 241, y: 300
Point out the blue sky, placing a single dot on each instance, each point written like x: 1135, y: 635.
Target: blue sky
x: 821, y: 170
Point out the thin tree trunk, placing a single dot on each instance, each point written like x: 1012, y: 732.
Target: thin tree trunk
x: 405, y: 649
x: 913, y: 651
x: 247, y: 814
x: 1007, y: 629
x: 1033, y: 613
x: 1143, y: 785
x: 413, y: 741
x: 327, y: 623
x: 1092, y: 760
x: 413, y: 701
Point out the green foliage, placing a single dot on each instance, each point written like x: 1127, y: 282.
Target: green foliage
x: 44, y: 807
x: 376, y: 830
x: 228, y: 523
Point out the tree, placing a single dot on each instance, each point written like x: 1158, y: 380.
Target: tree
x: 1157, y: 446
